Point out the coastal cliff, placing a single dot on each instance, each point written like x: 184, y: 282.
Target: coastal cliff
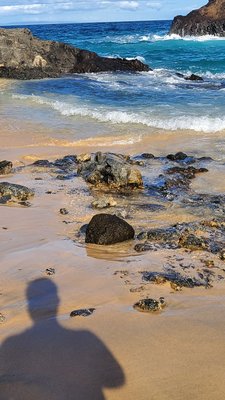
x: 207, y: 20
x: 23, y: 56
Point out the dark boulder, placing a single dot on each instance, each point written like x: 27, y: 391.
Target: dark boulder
x: 207, y: 20
x: 108, y: 229
x: 5, y: 167
x: 23, y: 56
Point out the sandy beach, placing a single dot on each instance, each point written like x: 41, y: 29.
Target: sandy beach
x: 174, y: 354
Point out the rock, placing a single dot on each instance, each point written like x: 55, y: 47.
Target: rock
x: 84, y: 312
x: 66, y: 163
x: 12, y: 191
x: 222, y: 255
x: 180, y: 156
x: 193, y: 77
x: 82, y: 230
x: 147, y: 156
x: 23, y: 56
x: 175, y: 278
x: 160, y: 235
x: 107, y: 229
x: 2, y: 318
x: 104, y: 202
x: 207, y: 20
x: 50, y: 271
x: 63, y: 211
x: 84, y: 157
x: 111, y: 170
x: 150, y: 305
x: 192, y: 242
x: 137, y: 289
x: 5, y: 167
x: 189, y: 172
x: 43, y: 163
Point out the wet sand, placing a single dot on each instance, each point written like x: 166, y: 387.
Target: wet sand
x: 176, y: 354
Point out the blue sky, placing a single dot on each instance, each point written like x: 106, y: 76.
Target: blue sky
x: 50, y: 11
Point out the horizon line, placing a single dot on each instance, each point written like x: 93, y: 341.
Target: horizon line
x: 89, y: 22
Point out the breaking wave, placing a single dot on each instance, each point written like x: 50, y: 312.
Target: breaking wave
x: 181, y: 122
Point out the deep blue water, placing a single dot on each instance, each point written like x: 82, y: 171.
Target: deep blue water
x: 158, y: 99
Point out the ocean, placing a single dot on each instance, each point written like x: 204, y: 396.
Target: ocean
x: 136, y: 103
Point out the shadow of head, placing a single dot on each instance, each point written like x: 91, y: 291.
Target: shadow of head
x: 42, y: 298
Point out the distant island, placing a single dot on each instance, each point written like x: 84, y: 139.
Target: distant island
x: 207, y: 20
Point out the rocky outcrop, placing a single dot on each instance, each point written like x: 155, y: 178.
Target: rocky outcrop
x: 207, y: 20
x: 23, y: 56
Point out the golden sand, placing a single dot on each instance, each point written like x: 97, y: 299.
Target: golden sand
x: 176, y: 354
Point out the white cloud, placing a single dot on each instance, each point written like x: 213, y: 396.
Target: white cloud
x: 25, y: 8
x: 129, y: 5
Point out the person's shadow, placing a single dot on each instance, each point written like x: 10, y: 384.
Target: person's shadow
x: 49, y: 362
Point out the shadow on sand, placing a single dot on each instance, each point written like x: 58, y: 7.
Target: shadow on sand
x: 49, y: 362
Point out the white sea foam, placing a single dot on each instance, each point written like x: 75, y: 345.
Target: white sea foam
x: 137, y: 38
x: 196, y: 123
x: 204, y: 38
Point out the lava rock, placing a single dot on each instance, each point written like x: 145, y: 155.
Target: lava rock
x: 175, y: 278
x: 150, y: 305
x: 84, y: 312
x: 12, y: 191
x: 63, y: 211
x: 5, y: 167
x: 180, y: 156
x: 192, y: 242
x: 50, y: 271
x: 108, y: 229
x: 112, y: 170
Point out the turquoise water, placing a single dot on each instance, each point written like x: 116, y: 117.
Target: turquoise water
x: 158, y: 99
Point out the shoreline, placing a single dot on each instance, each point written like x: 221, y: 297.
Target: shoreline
x: 174, y: 347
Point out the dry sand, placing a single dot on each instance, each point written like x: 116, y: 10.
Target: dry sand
x: 176, y: 354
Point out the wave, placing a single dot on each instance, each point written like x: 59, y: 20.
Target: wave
x: 137, y: 38
x: 139, y: 58
x: 173, y: 36
x: 181, y: 122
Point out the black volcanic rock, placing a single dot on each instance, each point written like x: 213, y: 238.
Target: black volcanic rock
x: 207, y: 20
x: 108, y: 229
x: 23, y: 56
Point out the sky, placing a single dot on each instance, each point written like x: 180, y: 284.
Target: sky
x: 53, y: 11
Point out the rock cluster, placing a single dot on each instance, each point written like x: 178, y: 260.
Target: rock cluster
x: 112, y: 170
